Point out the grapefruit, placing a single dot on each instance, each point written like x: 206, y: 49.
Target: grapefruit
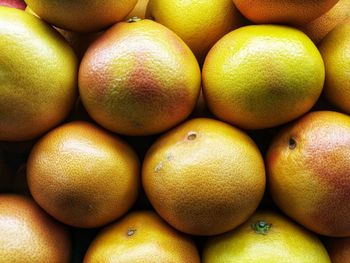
x: 82, y: 175
x: 204, y: 177
x: 308, y: 172
x: 261, y: 76
x: 141, y: 237
x: 139, y: 78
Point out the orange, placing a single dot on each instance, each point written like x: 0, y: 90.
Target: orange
x: 82, y: 15
x: 308, y: 166
x: 339, y: 249
x: 139, y: 10
x: 266, y: 237
x: 38, y: 80
x: 283, y: 11
x: 321, y: 26
x: 141, y: 237
x: 335, y: 50
x: 28, y: 234
x: 262, y: 76
x: 204, y: 177
x: 82, y: 175
x: 139, y: 78
x: 200, y: 23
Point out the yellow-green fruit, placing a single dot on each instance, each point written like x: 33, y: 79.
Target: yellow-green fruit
x: 204, y: 177
x: 199, y: 23
x: 139, y: 78
x: 38, y: 76
x: 335, y: 50
x: 262, y: 76
x: 141, y: 237
x: 82, y: 15
x: 28, y: 234
x: 266, y: 237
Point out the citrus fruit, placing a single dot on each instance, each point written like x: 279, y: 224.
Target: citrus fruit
x: 139, y: 10
x: 293, y: 12
x: 204, y: 177
x: 38, y: 76
x: 139, y: 78
x: 140, y: 237
x: 321, y: 26
x: 83, y: 175
x: 308, y: 166
x: 266, y: 237
x: 82, y: 15
x: 19, y: 4
x: 200, y: 23
x: 339, y: 249
x: 28, y: 234
x: 335, y: 50
x: 261, y: 76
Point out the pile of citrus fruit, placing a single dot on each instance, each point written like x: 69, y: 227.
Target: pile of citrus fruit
x: 173, y: 131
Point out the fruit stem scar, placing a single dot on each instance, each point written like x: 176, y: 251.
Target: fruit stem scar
x: 131, y: 232
x: 133, y: 19
x: 261, y: 227
x: 191, y: 136
x: 292, y: 143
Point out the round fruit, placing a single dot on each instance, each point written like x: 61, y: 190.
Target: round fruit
x: 308, y: 166
x: 19, y: 4
x: 139, y: 237
x: 262, y: 76
x: 320, y: 27
x: 28, y: 234
x: 266, y: 237
x: 38, y: 76
x: 293, y: 12
x: 82, y: 15
x: 335, y: 50
x: 339, y: 249
x: 139, y: 78
x: 139, y: 10
x: 199, y: 23
x: 204, y: 177
x: 83, y: 175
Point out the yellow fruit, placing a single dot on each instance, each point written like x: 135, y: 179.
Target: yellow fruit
x: 200, y: 23
x: 82, y: 15
x: 266, y: 237
x: 141, y: 237
x: 321, y: 26
x: 308, y: 167
x: 283, y: 11
x: 139, y: 10
x: 335, y: 50
x: 83, y: 175
x: 38, y: 76
x: 262, y: 76
x: 139, y: 78
x: 204, y: 177
x: 28, y: 234
x: 339, y: 249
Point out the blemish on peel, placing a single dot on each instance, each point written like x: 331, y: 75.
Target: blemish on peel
x: 131, y: 232
x: 292, y: 144
x: 261, y: 227
x: 191, y: 136
x: 158, y: 167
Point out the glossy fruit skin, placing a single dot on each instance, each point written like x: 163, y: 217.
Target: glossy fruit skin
x: 199, y: 23
x: 139, y: 79
x: 82, y: 175
x: 338, y: 249
x: 317, y: 29
x: 289, y: 12
x: 308, y: 164
x: 335, y: 50
x: 82, y: 15
x: 19, y: 4
x: 38, y: 80
x: 204, y: 177
x: 261, y: 76
x: 141, y: 237
x: 28, y: 234
x: 266, y: 237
